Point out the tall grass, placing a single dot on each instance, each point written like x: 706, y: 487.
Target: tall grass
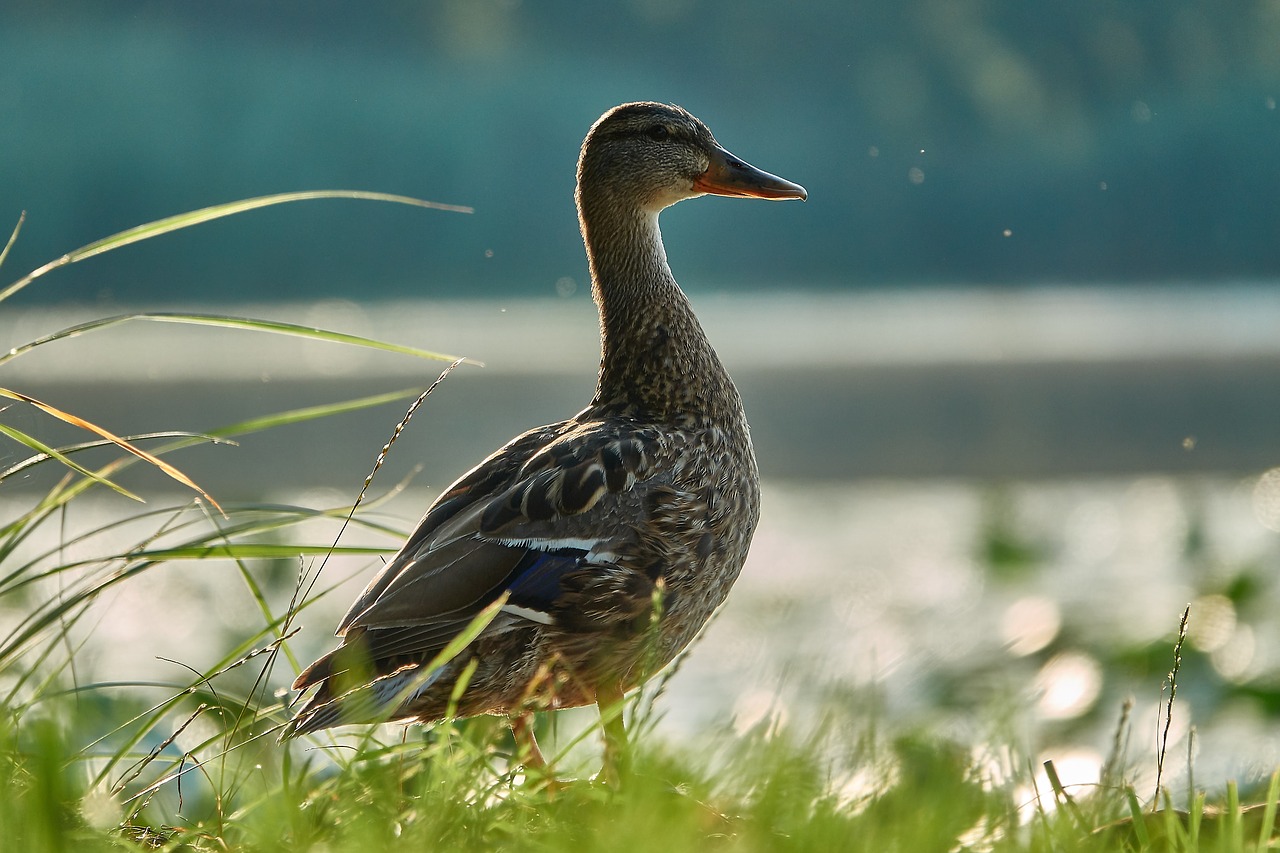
x: 193, y: 763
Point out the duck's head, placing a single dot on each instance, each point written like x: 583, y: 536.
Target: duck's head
x: 648, y: 156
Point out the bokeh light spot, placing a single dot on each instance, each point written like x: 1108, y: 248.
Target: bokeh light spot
x: 1030, y: 624
x: 1234, y: 659
x: 1070, y: 683
x: 1213, y: 622
x: 1266, y: 499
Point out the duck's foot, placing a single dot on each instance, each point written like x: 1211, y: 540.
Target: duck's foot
x: 538, y: 770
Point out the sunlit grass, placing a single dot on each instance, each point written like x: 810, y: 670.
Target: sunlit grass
x: 159, y: 228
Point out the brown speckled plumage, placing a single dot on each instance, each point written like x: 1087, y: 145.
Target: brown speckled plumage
x: 614, y: 534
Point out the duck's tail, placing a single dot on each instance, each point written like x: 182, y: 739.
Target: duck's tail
x: 365, y: 701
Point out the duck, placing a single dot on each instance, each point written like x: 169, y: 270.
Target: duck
x: 597, y: 547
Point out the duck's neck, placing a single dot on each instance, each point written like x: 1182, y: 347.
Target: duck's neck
x: 655, y: 359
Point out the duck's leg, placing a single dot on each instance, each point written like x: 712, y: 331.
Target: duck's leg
x: 616, y: 753
x: 527, y: 752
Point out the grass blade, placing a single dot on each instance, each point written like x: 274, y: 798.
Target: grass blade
x: 1139, y: 819
x: 310, y: 413
x: 13, y: 238
x: 62, y: 496
x: 1232, y: 819
x: 208, y: 214
x: 228, y: 322
x: 77, y: 421
x: 253, y: 550
x: 40, y: 447
x: 1194, y: 820
x: 67, y: 450
x: 1269, y: 812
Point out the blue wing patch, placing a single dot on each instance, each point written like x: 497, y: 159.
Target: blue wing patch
x: 535, y: 581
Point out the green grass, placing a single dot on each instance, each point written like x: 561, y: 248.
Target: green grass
x: 193, y: 764
x: 451, y: 788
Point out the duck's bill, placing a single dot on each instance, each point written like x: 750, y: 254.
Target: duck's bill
x: 727, y: 175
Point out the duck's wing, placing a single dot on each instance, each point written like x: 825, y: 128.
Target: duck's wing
x: 475, y: 488
x: 547, y: 519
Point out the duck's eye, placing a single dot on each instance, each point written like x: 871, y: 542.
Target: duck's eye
x: 659, y: 133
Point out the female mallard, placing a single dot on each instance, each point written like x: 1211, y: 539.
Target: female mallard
x: 612, y: 535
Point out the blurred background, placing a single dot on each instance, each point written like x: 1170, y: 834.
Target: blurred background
x: 1013, y: 370
x: 1120, y: 143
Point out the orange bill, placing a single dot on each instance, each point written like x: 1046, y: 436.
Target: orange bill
x: 728, y: 175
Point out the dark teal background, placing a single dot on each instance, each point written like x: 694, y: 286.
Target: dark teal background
x: 1116, y: 141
